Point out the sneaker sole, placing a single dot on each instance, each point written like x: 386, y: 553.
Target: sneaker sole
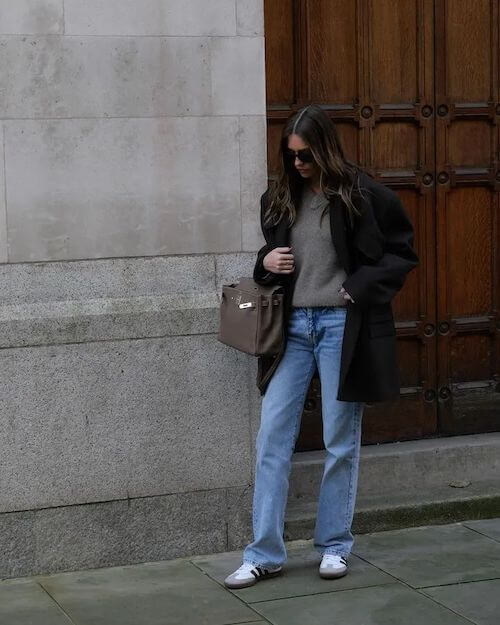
x: 332, y: 575
x: 236, y: 585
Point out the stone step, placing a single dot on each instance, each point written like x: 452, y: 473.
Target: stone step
x: 389, y: 468
x: 405, y: 484
x: 437, y: 505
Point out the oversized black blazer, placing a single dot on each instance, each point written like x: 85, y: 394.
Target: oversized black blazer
x: 376, y: 253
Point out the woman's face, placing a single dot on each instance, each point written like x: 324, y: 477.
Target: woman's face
x: 306, y: 170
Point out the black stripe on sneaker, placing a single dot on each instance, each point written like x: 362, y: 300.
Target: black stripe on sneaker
x: 262, y: 572
x: 255, y: 574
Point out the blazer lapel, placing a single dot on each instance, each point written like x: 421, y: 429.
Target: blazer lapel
x: 282, y: 234
x: 338, y: 230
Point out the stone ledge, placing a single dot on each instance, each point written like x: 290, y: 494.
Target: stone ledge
x: 441, y: 505
x: 106, y: 278
x: 111, y: 299
x: 408, y: 465
x: 80, y: 321
x: 112, y: 533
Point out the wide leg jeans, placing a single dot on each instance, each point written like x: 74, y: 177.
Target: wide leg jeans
x: 315, y: 337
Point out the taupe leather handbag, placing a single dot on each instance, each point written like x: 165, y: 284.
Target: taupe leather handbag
x: 251, y: 317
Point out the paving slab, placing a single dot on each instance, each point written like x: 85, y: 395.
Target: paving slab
x: 26, y: 603
x: 478, y: 601
x: 300, y: 575
x: 176, y: 593
x: 488, y: 527
x: 391, y: 604
x: 432, y: 555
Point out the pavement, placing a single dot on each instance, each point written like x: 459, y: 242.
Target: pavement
x: 429, y: 575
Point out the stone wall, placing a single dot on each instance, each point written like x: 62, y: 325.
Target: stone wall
x: 133, y: 155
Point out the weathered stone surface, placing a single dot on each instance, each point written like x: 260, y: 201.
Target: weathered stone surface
x: 111, y: 420
x: 3, y: 211
x: 24, y: 601
x: 141, y: 200
x: 137, y: 530
x: 359, y: 606
x: 250, y: 17
x: 253, y: 168
x: 17, y: 544
x: 166, y: 593
x: 80, y: 321
x: 133, y: 130
x: 239, y: 519
x: 38, y: 283
x: 31, y: 17
x: 54, y: 77
x: 231, y: 267
x: 238, y: 75
x: 117, y: 532
x: 415, y: 466
x: 478, y: 601
x: 432, y: 555
x: 151, y: 17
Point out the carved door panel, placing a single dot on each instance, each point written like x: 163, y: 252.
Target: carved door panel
x: 467, y: 212
x: 373, y: 66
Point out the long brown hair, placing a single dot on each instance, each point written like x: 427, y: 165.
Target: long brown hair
x: 338, y: 175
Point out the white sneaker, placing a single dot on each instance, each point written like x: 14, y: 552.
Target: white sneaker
x: 332, y: 566
x: 248, y: 575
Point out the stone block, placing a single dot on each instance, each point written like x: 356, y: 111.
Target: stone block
x: 239, y: 516
x: 196, y: 435
x: 25, y: 601
x: 422, y: 468
x: 238, y: 75
x: 3, y: 211
x: 181, y: 524
x: 83, y: 536
x: 250, y: 17
x: 431, y: 555
x: 54, y: 77
x: 423, y: 464
x: 122, y: 187
x: 111, y: 420
x: 107, y: 278
x: 230, y: 267
x: 17, y: 544
x: 28, y: 17
x: 163, y: 593
x: 358, y: 606
x: 253, y: 168
x: 112, y: 533
x: 77, y: 321
x: 150, y: 17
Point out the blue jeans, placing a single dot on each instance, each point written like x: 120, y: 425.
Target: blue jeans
x: 315, y: 336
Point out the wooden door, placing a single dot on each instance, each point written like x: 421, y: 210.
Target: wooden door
x: 467, y: 211
x: 409, y: 112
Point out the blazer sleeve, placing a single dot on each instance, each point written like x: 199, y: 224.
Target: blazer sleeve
x: 378, y: 283
x: 260, y: 273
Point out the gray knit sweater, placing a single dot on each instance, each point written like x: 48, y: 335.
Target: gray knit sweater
x: 319, y: 275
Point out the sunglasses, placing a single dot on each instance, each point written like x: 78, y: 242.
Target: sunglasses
x: 304, y: 156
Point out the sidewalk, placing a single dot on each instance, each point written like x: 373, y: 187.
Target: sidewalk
x: 431, y: 575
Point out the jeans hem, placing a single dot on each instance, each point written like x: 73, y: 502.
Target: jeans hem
x: 323, y: 552
x: 263, y: 566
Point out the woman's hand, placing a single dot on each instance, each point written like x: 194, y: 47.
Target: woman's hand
x: 346, y: 295
x: 279, y: 260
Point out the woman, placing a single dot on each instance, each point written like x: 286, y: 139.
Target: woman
x: 341, y: 244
